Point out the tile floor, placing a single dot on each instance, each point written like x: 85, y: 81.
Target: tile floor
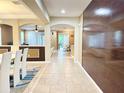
x: 30, y: 67
x: 62, y: 75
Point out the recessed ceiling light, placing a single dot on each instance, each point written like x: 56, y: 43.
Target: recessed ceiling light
x: 63, y: 11
x: 103, y: 11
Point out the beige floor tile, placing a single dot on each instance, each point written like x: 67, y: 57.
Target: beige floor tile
x: 62, y: 75
x: 74, y: 89
x: 58, y: 89
x: 41, y: 89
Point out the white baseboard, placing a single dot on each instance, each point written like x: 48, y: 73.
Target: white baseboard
x: 100, y: 91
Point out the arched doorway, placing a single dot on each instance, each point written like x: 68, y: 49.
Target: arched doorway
x: 58, y: 21
x: 62, y: 38
x: 32, y: 37
x: 31, y: 34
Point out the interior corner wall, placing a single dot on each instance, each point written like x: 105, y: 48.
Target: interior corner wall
x: 80, y: 39
x: 0, y: 36
x: 6, y: 33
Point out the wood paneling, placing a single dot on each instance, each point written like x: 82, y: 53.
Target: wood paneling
x: 117, y: 54
x: 116, y: 6
x: 109, y: 75
x: 38, y: 57
x: 115, y: 19
x: 119, y: 24
x: 4, y: 49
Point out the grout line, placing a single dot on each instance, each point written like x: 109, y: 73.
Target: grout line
x: 90, y: 78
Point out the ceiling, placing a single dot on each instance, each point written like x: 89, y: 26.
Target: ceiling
x: 18, y: 9
x: 73, y: 8
x: 62, y: 27
x: 31, y: 27
x: 13, y: 9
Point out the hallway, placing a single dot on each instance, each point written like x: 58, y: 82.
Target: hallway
x: 62, y: 75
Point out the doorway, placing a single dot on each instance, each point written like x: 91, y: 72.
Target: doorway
x: 62, y: 39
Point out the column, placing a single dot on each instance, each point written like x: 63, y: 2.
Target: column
x: 81, y: 40
x: 47, y: 43
x: 16, y: 36
x: 76, y: 44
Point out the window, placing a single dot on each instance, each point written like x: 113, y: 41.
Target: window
x: 32, y: 38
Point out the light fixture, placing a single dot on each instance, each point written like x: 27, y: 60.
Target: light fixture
x: 36, y: 28
x: 103, y: 11
x: 63, y: 11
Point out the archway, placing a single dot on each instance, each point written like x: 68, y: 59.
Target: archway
x: 31, y: 34
x: 66, y: 21
x: 32, y: 37
x: 62, y: 38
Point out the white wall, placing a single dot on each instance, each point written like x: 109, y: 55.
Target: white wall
x: 81, y: 39
x: 75, y: 22
x: 0, y: 37
x: 47, y: 43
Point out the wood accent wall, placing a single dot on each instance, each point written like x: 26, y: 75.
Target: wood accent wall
x: 35, y: 53
x: 4, y: 49
x: 108, y: 74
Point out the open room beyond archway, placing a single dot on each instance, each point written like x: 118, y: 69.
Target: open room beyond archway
x: 31, y: 34
x: 62, y: 38
x: 32, y: 37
